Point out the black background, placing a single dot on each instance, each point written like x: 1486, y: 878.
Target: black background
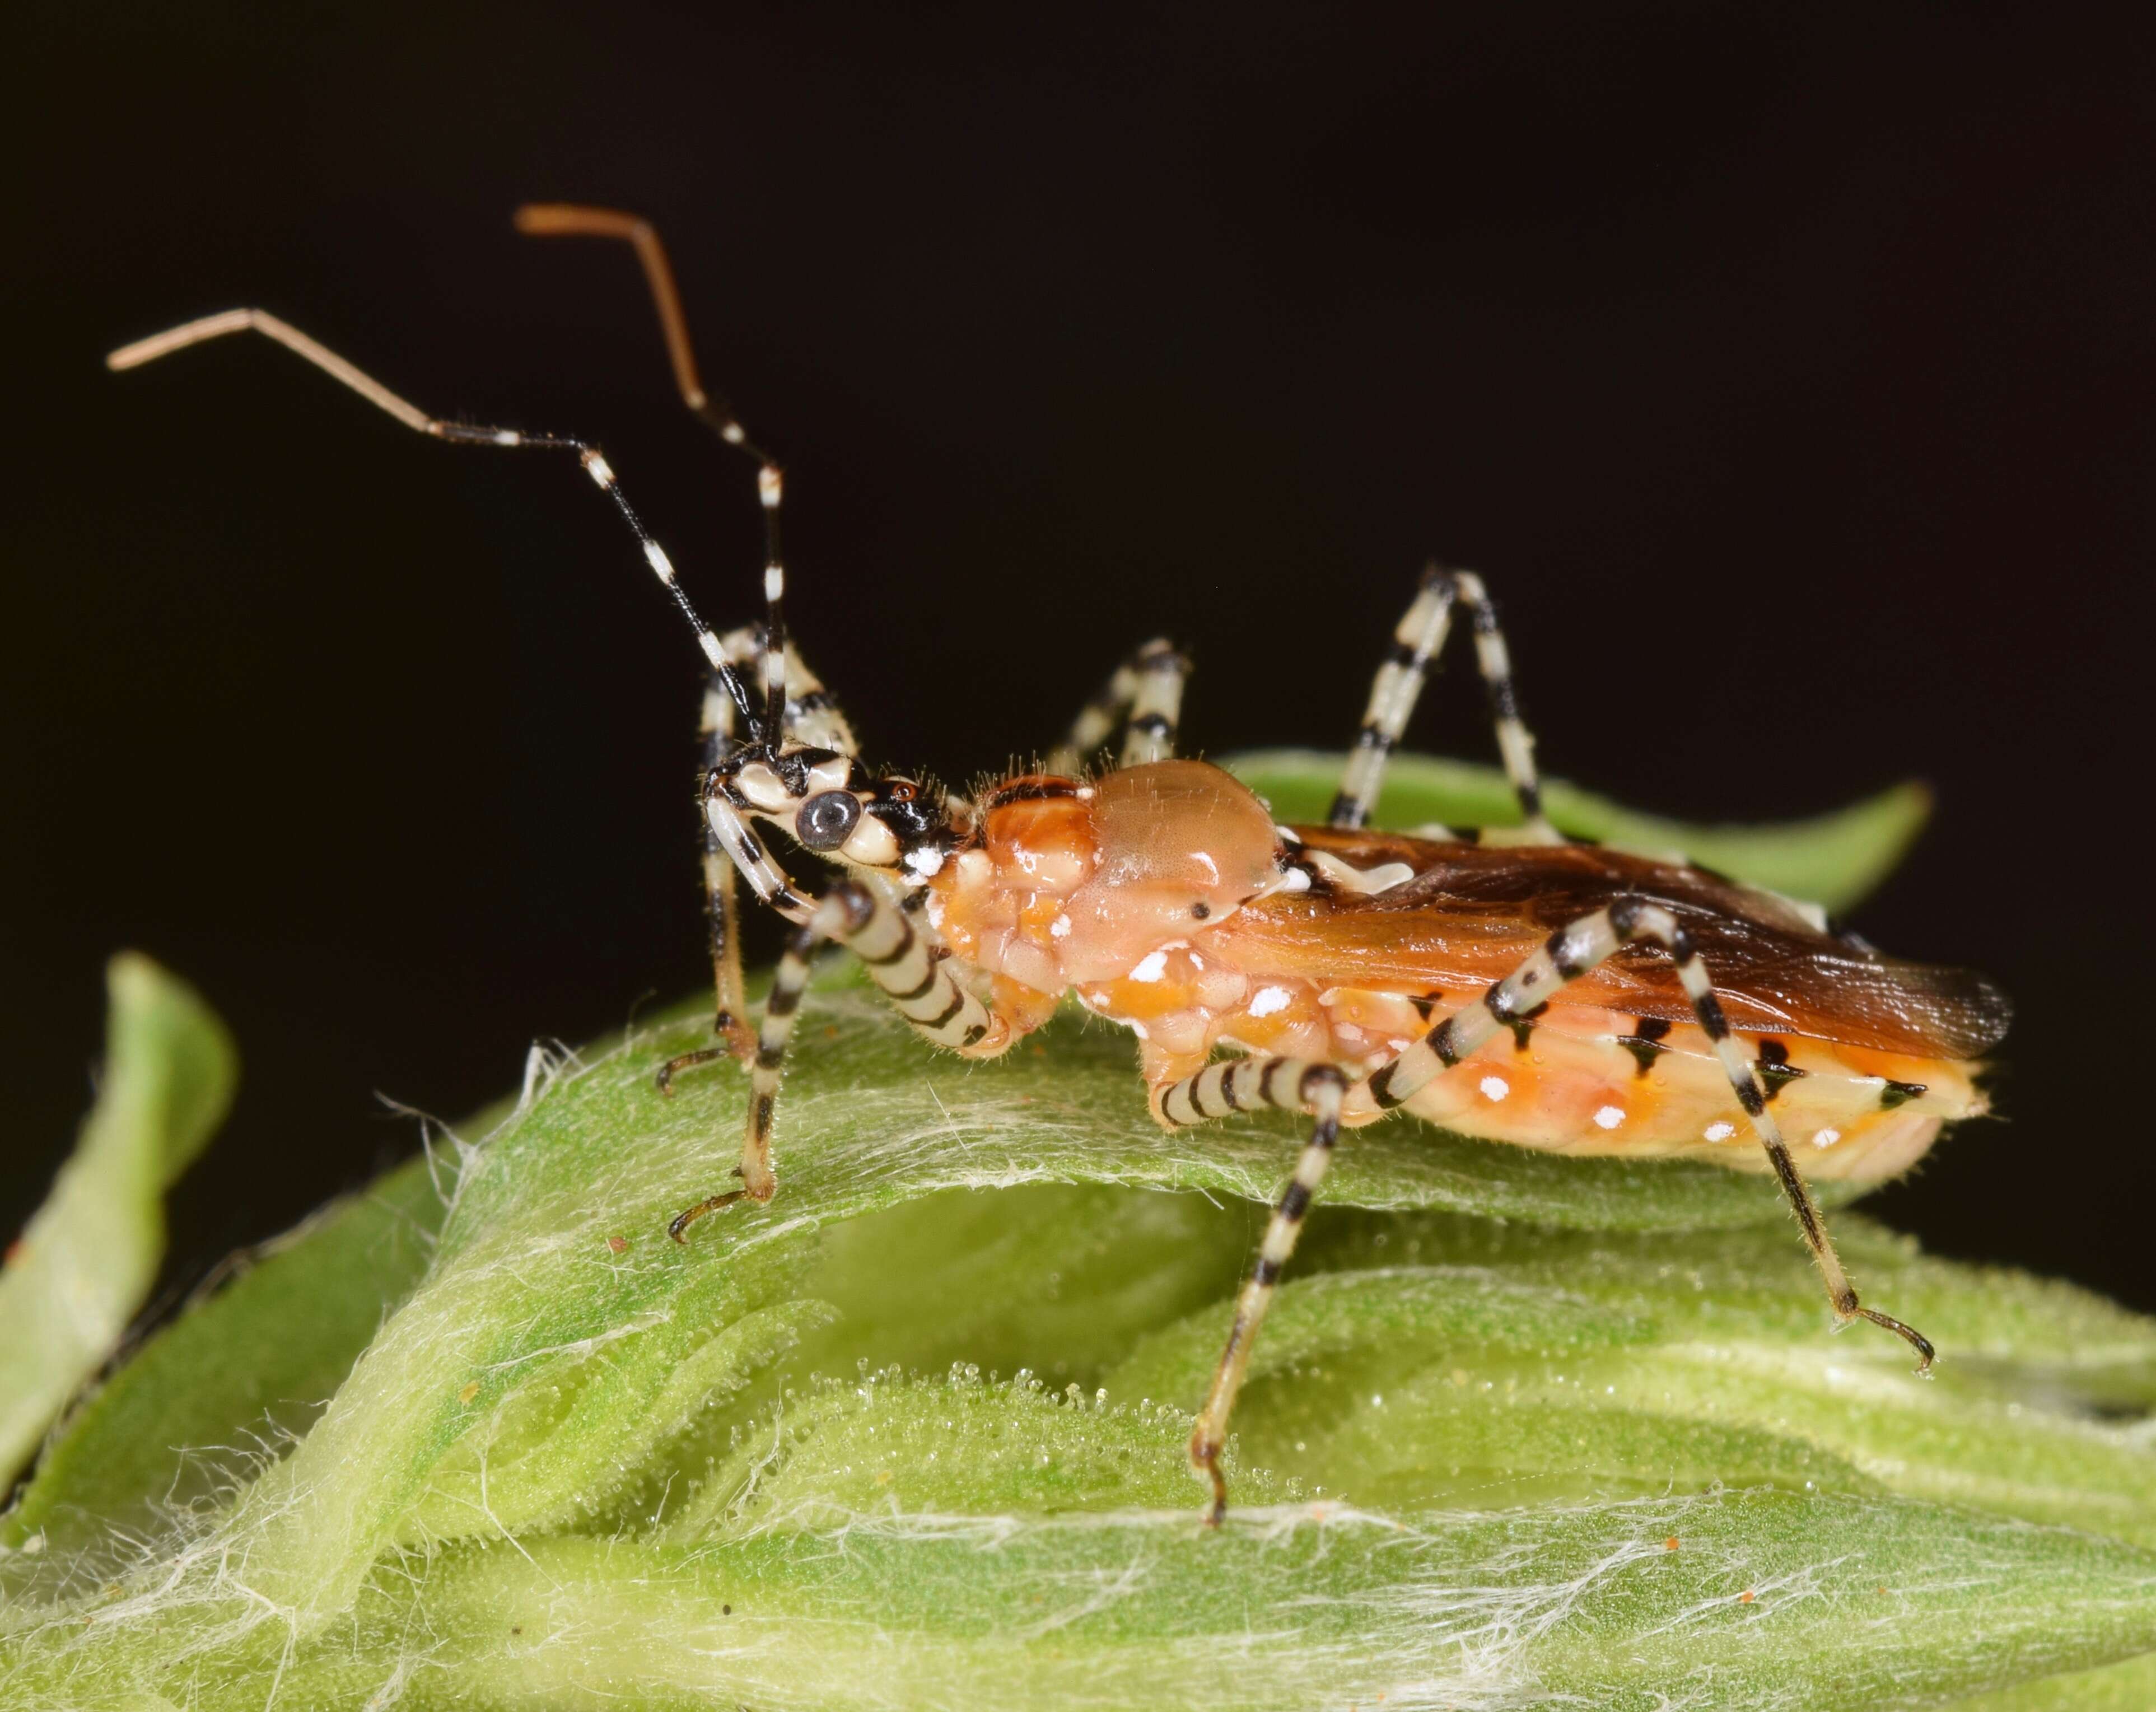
x: 1788, y: 372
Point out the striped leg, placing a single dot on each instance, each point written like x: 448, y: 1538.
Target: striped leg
x: 914, y: 973
x: 839, y: 907
x: 911, y: 970
x: 744, y: 850
x: 1569, y: 953
x: 1141, y: 701
x: 1244, y: 1085
x: 715, y: 733
x: 813, y: 719
x: 1417, y: 640
x: 1157, y: 707
x: 731, y: 847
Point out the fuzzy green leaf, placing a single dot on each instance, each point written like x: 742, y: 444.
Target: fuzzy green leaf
x: 911, y: 1435
x: 527, y: 1284
x: 2128, y: 1686
x: 85, y: 1262
x: 1768, y: 1601
x: 1834, y: 860
x: 251, y: 1364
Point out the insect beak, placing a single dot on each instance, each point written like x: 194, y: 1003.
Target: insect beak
x: 872, y: 843
x: 764, y: 789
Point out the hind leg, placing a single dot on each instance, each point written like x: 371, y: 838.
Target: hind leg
x: 1569, y: 953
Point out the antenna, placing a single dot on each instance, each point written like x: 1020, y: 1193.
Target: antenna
x: 588, y: 456
x: 561, y: 220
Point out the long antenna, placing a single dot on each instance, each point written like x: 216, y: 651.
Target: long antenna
x: 561, y: 220
x: 588, y: 456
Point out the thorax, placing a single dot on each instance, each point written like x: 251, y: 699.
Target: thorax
x: 1119, y: 889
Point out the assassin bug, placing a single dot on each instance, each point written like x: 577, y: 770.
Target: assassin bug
x: 1345, y: 973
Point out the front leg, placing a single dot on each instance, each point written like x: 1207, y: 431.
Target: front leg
x: 830, y: 919
x: 812, y: 717
x: 722, y: 907
x: 912, y: 970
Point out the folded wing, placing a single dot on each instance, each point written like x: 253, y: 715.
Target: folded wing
x: 1472, y: 913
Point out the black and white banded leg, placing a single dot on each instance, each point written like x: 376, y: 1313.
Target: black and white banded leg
x: 1249, y: 1085
x: 842, y: 905
x: 912, y: 972
x: 1568, y: 954
x: 812, y: 719
x: 1142, y: 703
x: 910, y: 967
x: 1417, y: 640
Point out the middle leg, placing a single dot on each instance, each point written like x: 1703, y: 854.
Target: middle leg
x: 1418, y: 639
x: 1143, y: 701
x: 1245, y: 1085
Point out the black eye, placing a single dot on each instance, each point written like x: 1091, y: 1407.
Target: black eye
x: 825, y: 819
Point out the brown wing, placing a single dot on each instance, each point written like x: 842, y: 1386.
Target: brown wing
x: 1472, y: 913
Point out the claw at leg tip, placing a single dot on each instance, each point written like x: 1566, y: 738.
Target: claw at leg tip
x: 689, y: 1215
x: 1205, y: 1464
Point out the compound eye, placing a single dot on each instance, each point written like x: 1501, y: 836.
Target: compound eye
x: 826, y: 818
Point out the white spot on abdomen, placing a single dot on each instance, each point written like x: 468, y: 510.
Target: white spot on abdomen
x: 1495, y: 1087
x: 1148, y: 968
x: 1720, y: 1131
x: 1270, y: 999
x: 1826, y: 1138
x: 1610, y: 1116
